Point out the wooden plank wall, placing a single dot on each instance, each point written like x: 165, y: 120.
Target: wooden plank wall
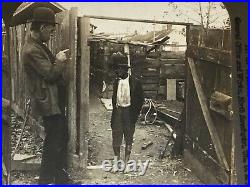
x: 153, y: 71
x: 19, y: 95
x: 156, y: 71
x: 211, y: 54
x: 5, y: 69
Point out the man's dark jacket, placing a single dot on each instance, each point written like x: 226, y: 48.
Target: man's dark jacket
x: 136, y: 95
x: 43, y: 77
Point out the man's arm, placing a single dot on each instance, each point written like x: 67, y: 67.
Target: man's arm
x: 50, y: 72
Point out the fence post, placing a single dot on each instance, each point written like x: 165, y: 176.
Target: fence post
x: 84, y: 90
x: 72, y: 99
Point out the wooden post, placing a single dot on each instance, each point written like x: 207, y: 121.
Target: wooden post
x: 209, y: 122
x: 20, y: 37
x: 126, y: 51
x: 233, y: 176
x: 185, y: 109
x: 84, y: 88
x: 72, y: 107
x: 11, y: 63
x: 6, y: 129
x: 138, y: 20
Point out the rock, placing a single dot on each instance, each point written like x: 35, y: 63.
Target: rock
x: 105, y: 177
x: 146, y: 145
x: 150, y: 155
x: 174, y: 173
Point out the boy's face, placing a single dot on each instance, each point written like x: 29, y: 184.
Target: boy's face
x: 122, y: 72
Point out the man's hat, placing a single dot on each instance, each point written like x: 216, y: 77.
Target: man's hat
x: 43, y: 15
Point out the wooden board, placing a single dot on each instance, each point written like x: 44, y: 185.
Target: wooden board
x: 84, y: 24
x: 150, y: 72
x: 220, y: 57
x: 146, y: 80
x: 173, y: 61
x: 29, y: 165
x: 23, y: 157
x: 174, y: 71
x: 150, y: 94
x: 150, y: 87
x: 107, y: 103
x: 172, y: 55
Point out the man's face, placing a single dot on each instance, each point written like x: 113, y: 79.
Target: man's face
x: 46, y: 31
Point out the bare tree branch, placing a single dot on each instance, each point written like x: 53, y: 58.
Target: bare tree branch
x: 208, y: 14
x: 201, y: 14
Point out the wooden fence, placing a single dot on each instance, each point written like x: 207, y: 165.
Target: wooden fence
x: 19, y: 95
x: 209, y: 109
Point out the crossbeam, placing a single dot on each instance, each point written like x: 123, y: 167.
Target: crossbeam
x: 138, y: 20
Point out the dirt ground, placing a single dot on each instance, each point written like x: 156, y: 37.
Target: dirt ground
x: 165, y: 171
x: 160, y: 171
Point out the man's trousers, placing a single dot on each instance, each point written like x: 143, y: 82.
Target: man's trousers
x: 54, y: 157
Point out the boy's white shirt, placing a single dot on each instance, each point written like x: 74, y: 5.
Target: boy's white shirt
x: 123, y: 93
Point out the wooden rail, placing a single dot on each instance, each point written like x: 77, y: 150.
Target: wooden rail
x: 138, y: 20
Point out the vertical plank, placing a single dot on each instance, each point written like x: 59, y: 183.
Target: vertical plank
x: 20, y: 38
x: 7, y: 129
x: 185, y: 109
x: 84, y: 87
x: 18, y: 96
x: 233, y: 176
x: 13, y: 65
x: 72, y: 107
x: 15, y: 62
x: 26, y: 35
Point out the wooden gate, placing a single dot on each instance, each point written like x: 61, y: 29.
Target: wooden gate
x: 208, y: 141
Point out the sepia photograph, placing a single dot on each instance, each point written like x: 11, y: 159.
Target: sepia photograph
x: 124, y: 93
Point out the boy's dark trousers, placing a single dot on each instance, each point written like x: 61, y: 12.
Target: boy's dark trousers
x: 54, y: 157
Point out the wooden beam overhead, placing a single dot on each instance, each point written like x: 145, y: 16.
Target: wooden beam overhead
x: 138, y: 20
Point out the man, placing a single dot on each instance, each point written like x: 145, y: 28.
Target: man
x: 127, y: 101
x: 45, y: 77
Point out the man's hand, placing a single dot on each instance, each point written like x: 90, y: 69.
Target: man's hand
x: 61, y: 56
